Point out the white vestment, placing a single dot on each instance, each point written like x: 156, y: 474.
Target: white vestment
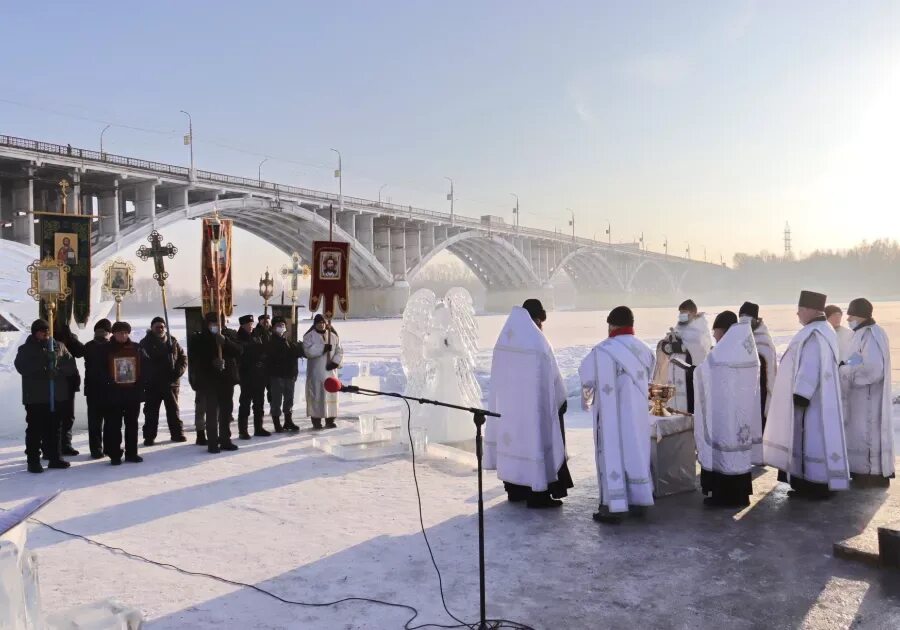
x: 525, y: 445
x: 809, y: 442
x: 845, y: 339
x: 767, y: 353
x: 727, y: 410
x: 319, y: 403
x: 696, y: 338
x: 614, y: 379
x: 867, y: 403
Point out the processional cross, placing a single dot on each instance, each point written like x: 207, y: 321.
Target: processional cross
x: 294, y: 272
x: 158, y: 252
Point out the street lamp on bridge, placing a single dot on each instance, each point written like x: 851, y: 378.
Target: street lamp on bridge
x: 516, y: 210
x: 666, y: 245
x: 339, y: 173
x: 572, y: 222
x: 189, y: 138
x: 259, y: 171
x: 103, y: 155
x: 379, y: 193
x: 609, y: 231
x: 450, y: 197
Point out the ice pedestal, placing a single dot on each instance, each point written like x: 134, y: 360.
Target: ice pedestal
x: 673, y: 458
x: 107, y: 614
x: 375, y: 438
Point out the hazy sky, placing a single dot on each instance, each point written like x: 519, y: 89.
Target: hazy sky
x: 711, y: 123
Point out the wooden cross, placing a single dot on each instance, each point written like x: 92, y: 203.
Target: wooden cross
x: 157, y: 251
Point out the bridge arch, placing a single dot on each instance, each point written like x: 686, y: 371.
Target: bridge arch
x: 587, y: 264
x: 288, y: 226
x: 668, y: 279
x: 494, y: 260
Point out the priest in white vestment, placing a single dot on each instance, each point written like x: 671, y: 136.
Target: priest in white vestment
x: 804, y: 436
x: 768, y: 358
x: 727, y: 414
x: 866, y: 388
x: 614, y: 381
x: 688, y: 342
x: 526, y: 445
x: 834, y: 314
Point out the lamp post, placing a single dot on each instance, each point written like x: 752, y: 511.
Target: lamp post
x: 380, y: 188
x: 259, y: 171
x: 339, y: 173
x: 450, y: 198
x: 688, y: 251
x: 516, y: 210
x: 609, y: 231
x: 572, y: 222
x: 189, y: 139
x: 666, y: 245
x: 102, y: 155
x: 266, y: 290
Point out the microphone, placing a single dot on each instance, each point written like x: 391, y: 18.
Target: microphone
x: 333, y: 385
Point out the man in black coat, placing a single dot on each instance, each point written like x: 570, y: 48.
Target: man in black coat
x: 214, y: 379
x: 123, y: 392
x: 166, y: 363
x: 253, y: 380
x: 94, y: 378
x: 64, y: 335
x: 44, y: 372
x: 282, y: 356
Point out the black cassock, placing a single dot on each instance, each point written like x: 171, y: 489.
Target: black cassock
x: 556, y: 489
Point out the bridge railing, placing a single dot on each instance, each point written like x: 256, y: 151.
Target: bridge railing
x: 320, y: 196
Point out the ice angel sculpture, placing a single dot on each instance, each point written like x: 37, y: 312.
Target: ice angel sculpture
x: 439, y: 341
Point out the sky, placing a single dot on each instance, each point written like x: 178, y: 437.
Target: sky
x: 709, y: 124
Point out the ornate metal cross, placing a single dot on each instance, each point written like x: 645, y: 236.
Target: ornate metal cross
x: 294, y: 272
x: 157, y: 251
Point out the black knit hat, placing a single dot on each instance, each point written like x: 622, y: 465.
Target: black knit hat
x: 278, y: 320
x: 812, y: 300
x: 245, y: 319
x: 156, y: 320
x: 319, y: 318
x: 620, y: 316
x: 38, y: 325
x: 535, y: 309
x: 725, y: 320
x: 264, y: 316
x: 104, y: 324
x: 860, y: 307
x: 121, y: 327
x: 688, y: 305
x: 749, y: 308
x: 211, y: 318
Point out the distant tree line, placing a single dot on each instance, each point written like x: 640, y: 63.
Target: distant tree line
x: 869, y: 269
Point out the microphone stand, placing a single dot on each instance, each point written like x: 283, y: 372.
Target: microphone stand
x: 479, y: 416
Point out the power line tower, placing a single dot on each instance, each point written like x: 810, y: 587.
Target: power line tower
x: 788, y: 254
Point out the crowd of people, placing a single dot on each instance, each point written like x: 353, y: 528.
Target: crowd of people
x: 120, y: 375
x: 821, y: 416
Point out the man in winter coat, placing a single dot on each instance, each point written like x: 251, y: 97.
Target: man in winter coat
x: 94, y: 379
x: 166, y: 363
x: 282, y: 356
x: 123, y: 392
x: 253, y: 380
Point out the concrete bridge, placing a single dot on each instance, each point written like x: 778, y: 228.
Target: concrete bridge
x: 390, y: 243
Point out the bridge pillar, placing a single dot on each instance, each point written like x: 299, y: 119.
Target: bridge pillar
x: 426, y: 238
x: 178, y: 198
x: 109, y: 213
x: 365, y: 226
x: 440, y: 234
x: 145, y: 201
x: 413, y: 246
x: 379, y: 302
x: 382, y: 240
x: 73, y: 198
x: 23, y: 210
x: 347, y: 222
x: 398, y: 252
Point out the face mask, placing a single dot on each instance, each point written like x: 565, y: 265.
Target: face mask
x: 853, y: 324
x: 214, y: 330
x: 683, y: 318
x: 280, y: 330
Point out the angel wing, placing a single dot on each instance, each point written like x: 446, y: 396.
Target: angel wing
x: 465, y: 330
x: 416, y: 323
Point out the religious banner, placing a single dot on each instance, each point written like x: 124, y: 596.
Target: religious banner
x: 216, y: 271
x: 330, y: 277
x: 66, y: 238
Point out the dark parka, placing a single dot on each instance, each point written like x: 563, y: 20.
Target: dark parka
x: 253, y: 359
x: 202, y: 352
x: 114, y: 394
x: 165, y: 367
x: 33, y: 362
x: 281, y: 357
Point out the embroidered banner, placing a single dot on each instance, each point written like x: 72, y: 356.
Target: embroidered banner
x: 216, y: 274
x: 67, y: 238
x: 330, y: 277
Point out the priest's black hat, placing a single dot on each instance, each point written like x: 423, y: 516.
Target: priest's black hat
x: 264, y: 316
x: 121, y: 327
x: 620, y: 316
x: 157, y: 320
x: 278, y: 320
x: 749, y: 308
x: 38, y: 325
x: 103, y: 324
x: 688, y: 305
x: 245, y: 319
x: 813, y: 300
x: 860, y: 307
x: 535, y: 309
x: 725, y: 320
